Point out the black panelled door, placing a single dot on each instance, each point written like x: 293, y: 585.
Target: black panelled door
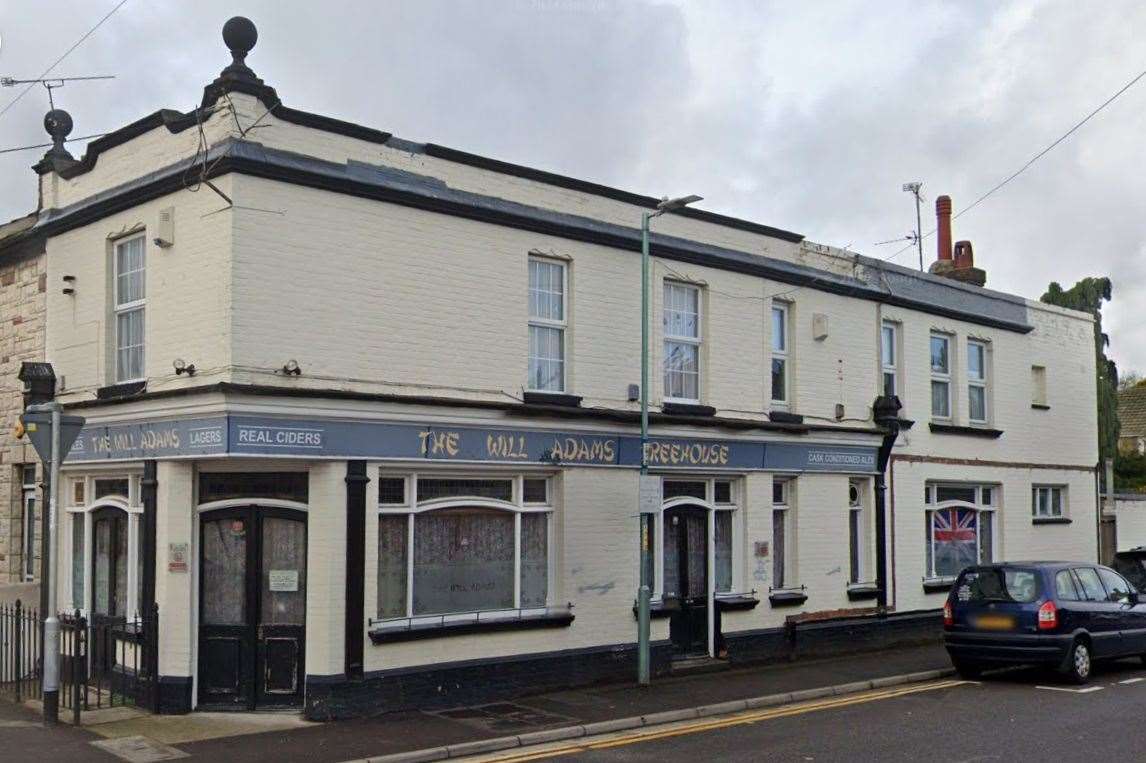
x: 252, y: 606
x: 109, y: 582
x: 686, y: 534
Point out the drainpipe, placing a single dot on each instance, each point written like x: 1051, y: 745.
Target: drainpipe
x: 885, y: 411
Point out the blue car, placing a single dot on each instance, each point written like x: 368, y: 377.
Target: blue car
x: 1066, y: 615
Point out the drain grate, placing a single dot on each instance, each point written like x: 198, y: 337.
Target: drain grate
x: 504, y: 717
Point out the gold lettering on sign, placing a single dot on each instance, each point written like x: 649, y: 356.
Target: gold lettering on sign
x: 581, y: 450
x: 686, y: 454
x: 439, y: 443
x: 506, y: 446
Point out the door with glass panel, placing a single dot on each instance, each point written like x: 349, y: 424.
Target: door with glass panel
x: 109, y: 583
x: 686, y: 578
x: 252, y: 607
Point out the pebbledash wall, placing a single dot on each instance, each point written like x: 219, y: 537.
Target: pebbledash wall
x: 395, y: 277
x: 23, y: 283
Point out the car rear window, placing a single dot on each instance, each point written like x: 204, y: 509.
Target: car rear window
x: 1014, y: 584
x: 1134, y: 569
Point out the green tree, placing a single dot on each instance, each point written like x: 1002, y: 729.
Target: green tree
x: 1087, y: 296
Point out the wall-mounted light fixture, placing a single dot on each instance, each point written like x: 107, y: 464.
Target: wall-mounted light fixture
x: 183, y: 367
x: 290, y: 368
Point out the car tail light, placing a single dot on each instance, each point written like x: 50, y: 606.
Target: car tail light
x: 948, y: 615
x: 1048, y: 616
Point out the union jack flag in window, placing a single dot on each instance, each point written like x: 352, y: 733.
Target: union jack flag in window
x: 954, y: 533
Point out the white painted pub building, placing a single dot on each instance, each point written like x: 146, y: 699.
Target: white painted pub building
x: 362, y: 417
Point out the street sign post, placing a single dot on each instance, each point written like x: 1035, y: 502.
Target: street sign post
x: 52, y: 435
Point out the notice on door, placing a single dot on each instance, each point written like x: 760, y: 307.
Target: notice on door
x: 282, y: 580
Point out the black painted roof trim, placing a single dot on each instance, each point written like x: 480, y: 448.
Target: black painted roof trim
x: 597, y: 189
x: 431, y: 194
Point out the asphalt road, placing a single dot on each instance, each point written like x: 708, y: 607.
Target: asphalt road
x: 1006, y: 717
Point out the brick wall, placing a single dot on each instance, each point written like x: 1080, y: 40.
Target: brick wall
x: 22, y: 323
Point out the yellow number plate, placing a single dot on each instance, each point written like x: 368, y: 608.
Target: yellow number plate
x: 995, y: 622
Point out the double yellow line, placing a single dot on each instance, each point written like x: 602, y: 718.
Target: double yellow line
x: 739, y: 719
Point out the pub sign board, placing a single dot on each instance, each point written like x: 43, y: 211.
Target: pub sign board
x: 341, y: 438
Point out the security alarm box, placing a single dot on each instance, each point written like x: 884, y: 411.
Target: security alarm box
x: 165, y: 230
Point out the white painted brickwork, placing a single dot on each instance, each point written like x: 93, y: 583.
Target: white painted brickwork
x: 1131, y: 514
x: 373, y: 297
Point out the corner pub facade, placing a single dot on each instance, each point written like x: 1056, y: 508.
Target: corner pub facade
x: 362, y: 421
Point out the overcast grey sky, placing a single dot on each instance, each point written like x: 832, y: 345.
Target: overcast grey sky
x: 807, y: 116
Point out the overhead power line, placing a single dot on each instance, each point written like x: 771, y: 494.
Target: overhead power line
x: 59, y: 60
x: 1033, y: 159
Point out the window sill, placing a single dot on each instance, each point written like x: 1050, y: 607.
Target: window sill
x: 537, y: 397
x: 687, y: 409
x: 120, y: 390
x: 863, y: 592
x: 1051, y: 520
x: 492, y: 623
x: 659, y: 609
x: 978, y: 431
x: 1040, y: 407
x: 785, y: 417
x: 787, y: 598
x: 938, y: 585
x: 736, y: 602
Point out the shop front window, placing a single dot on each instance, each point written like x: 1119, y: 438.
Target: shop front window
x: 490, y: 555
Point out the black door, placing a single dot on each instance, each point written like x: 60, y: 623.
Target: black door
x: 252, y: 607
x: 109, y: 585
x: 686, y: 578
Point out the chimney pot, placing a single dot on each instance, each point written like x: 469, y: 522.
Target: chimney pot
x: 943, y: 227
x: 964, y: 256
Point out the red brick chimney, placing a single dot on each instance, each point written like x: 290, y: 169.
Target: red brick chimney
x: 943, y: 228
x: 960, y: 265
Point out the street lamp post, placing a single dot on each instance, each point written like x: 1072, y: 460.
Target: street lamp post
x: 644, y: 593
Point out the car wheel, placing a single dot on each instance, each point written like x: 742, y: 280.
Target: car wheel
x: 1078, y: 663
x: 967, y: 669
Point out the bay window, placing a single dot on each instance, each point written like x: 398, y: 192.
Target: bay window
x: 958, y: 528
x: 130, y: 303
x: 682, y: 342
x: 462, y: 546
x: 547, y: 322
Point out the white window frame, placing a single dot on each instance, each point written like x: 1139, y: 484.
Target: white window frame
x: 124, y: 308
x: 941, y: 377
x: 859, y: 545
x: 132, y: 504
x: 516, y: 506
x: 1038, y: 385
x: 1048, y: 509
x: 786, y: 508
x: 561, y: 324
x: 985, y: 504
x: 695, y: 341
x: 889, y: 368
x: 982, y: 382
x: 28, y: 538
x: 733, y: 506
x: 782, y: 354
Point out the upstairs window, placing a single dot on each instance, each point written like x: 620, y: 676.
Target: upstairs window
x: 130, y: 304
x: 547, y: 299
x: 940, y: 376
x: 889, y: 358
x: 977, y: 382
x: 780, y: 354
x: 682, y: 342
x: 1038, y: 386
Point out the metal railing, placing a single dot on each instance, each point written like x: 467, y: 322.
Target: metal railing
x: 21, y: 646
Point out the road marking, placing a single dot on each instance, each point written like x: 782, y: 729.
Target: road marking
x: 1131, y: 681
x: 1083, y: 690
x: 739, y: 719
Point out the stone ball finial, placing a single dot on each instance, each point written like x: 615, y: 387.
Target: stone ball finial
x: 58, y: 123
x: 240, y: 35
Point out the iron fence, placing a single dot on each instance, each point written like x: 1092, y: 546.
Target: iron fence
x: 20, y: 652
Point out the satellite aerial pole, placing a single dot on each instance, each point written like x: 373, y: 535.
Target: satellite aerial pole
x: 49, y: 83
x: 913, y: 189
